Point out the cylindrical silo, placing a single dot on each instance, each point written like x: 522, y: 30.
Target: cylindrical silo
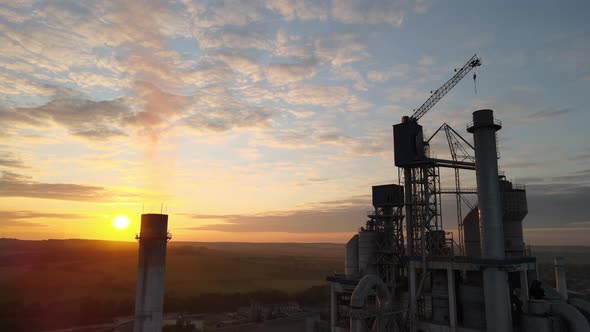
x: 367, y: 243
x: 496, y: 291
x: 471, y: 234
x: 149, y: 296
x: 351, y: 264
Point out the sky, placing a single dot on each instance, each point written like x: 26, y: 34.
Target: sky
x: 269, y: 121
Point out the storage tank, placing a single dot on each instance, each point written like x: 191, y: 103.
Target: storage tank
x: 471, y: 233
x: 351, y: 264
x: 367, y: 244
x: 514, y: 209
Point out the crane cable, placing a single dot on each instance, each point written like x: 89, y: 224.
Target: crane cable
x: 475, y: 80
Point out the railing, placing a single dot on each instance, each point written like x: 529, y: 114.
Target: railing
x: 518, y: 186
x: 168, y: 237
x: 495, y: 121
x: 462, y: 191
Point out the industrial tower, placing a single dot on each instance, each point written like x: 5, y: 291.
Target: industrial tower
x: 421, y: 278
x: 151, y: 270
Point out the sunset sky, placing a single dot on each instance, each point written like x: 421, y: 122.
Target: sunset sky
x: 270, y: 120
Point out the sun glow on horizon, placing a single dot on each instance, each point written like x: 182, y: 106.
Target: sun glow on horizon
x: 121, y: 222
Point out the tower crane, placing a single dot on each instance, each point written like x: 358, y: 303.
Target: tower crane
x: 445, y: 88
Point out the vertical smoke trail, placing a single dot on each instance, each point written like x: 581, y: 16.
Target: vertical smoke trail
x: 149, y: 63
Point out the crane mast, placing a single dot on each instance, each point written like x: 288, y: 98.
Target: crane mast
x: 445, y: 88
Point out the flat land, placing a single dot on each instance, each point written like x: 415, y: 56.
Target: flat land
x: 60, y: 283
x: 54, y: 270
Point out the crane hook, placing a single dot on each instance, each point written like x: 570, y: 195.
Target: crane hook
x: 475, y: 82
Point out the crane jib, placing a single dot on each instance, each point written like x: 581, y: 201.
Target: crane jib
x: 442, y: 91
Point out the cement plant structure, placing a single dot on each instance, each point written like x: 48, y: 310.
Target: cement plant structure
x: 404, y: 272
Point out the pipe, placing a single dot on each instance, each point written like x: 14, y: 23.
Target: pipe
x: 359, y: 297
x: 582, y: 306
x: 496, y: 291
x: 409, y: 211
x: 575, y: 321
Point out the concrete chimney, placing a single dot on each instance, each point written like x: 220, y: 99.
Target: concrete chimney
x: 496, y: 290
x: 560, y: 281
x: 149, y: 295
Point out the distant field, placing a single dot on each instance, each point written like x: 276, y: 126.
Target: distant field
x: 46, y: 271
x: 577, y: 260
x: 55, y: 270
x: 55, y: 284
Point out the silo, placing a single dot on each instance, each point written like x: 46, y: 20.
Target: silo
x: 514, y: 208
x: 471, y: 234
x: 367, y: 243
x: 351, y: 264
x: 149, y: 296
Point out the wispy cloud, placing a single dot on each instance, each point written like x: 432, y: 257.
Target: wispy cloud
x: 323, y: 217
x: 550, y: 114
x: 80, y: 116
x: 18, y: 185
x: 369, y: 12
x: 9, y: 159
x: 26, y: 218
x: 583, y: 154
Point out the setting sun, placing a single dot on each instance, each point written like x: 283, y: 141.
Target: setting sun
x: 121, y: 222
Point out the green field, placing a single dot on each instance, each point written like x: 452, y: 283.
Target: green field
x: 46, y: 271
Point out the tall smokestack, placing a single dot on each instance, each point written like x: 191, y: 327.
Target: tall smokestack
x: 560, y: 281
x: 496, y: 291
x: 149, y: 296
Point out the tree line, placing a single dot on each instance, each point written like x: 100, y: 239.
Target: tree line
x: 23, y: 315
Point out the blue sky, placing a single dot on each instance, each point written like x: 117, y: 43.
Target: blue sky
x: 270, y: 120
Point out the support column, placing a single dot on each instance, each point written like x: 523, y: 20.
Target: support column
x: 412, y: 291
x: 452, y: 301
x: 524, y: 289
x: 409, y: 212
